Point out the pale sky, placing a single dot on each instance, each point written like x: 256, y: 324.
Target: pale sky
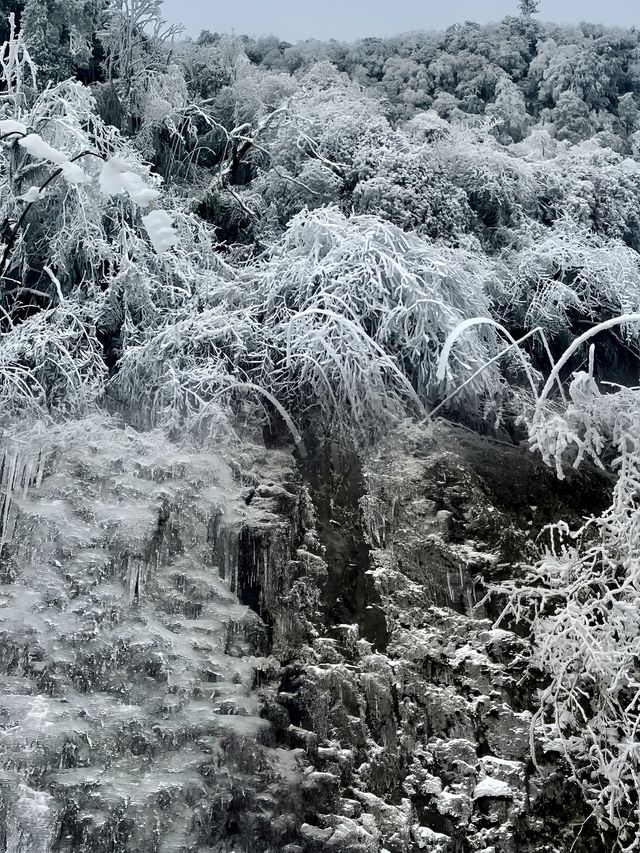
x: 352, y: 19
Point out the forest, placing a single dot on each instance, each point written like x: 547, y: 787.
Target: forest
x: 230, y: 242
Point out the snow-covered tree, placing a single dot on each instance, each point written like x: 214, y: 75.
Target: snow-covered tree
x: 134, y: 36
x: 509, y: 109
x: 60, y: 34
x: 528, y: 7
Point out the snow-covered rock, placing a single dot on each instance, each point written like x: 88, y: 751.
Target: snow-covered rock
x: 489, y: 787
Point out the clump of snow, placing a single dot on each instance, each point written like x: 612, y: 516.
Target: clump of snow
x: 427, y: 839
x: 32, y: 194
x: 73, y: 174
x: 9, y: 125
x: 110, y: 180
x: 160, y: 230
x: 116, y: 176
x: 455, y: 804
x: 496, y: 635
x: 489, y: 787
x: 468, y: 654
x: 138, y: 190
x: 37, y: 147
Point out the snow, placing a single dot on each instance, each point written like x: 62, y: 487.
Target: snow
x: 31, y: 195
x: 346, y: 313
x: 37, y: 147
x: 9, y: 125
x: 116, y: 176
x: 73, y: 174
x: 160, y: 230
x: 138, y: 191
x: 489, y: 787
x: 428, y: 839
x: 110, y: 180
x: 468, y: 654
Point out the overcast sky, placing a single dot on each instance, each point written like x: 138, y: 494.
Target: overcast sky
x: 351, y: 19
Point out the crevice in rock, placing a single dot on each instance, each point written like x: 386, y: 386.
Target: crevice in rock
x: 349, y: 595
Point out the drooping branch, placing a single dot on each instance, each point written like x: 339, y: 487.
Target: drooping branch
x: 4, y: 262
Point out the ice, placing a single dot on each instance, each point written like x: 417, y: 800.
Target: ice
x: 20, y: 469
x: 36, y: 718
x: 31, y: 822
x: 127, y: 664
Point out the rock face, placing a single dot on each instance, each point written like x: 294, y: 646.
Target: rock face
x: 415, y: 712
x: 207, y: 653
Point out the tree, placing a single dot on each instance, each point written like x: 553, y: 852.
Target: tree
x: 629, y: 113
x: 571, y: 117
x: 402, y: 181
x: 133, y: 37
x: 7, y: 8
x: 133, y: 32
x: 60, y: 34
x: 405, y: 83
x: 510, y: 110
x: 528, y: 7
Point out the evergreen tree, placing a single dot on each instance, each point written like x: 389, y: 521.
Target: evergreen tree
x: 60, y: 34
x: 529, y: 7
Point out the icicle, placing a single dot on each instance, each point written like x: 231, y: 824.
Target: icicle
x: 265, y: 585
x: 40, y: 474
x: 26, y: 478
x: 8, y: 483
x: 469, y: 601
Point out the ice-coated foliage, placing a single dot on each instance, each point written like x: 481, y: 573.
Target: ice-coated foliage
x: 66, y: 235
x: 582, y: 604
x: 405, y: 183
x: 581, y: 599
x: 359, y: 310
x: 60, y: 36
x: 566, y: 275
x: 341, y: 324
x: 16, y: 66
